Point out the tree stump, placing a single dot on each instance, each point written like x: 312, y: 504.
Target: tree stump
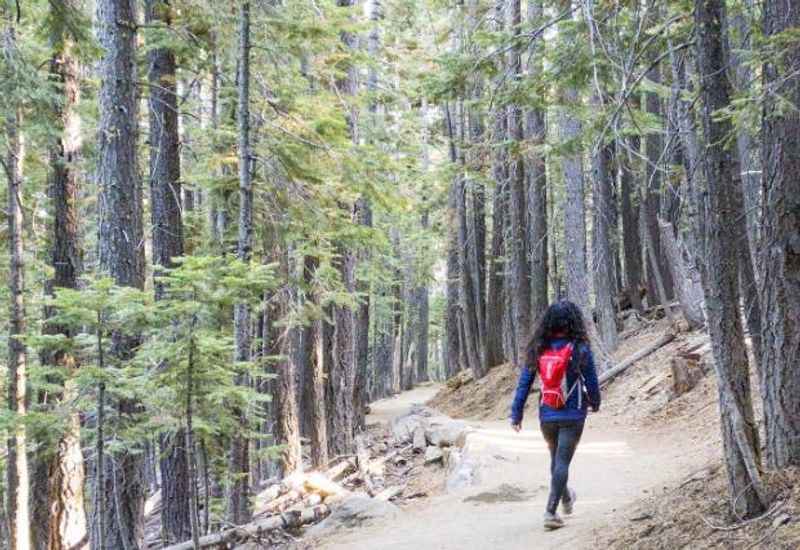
x: 687, y: 370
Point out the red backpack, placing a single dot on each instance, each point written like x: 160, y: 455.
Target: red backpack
x: 553, y: 366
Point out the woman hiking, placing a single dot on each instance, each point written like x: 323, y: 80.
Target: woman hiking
x: 559, y: 352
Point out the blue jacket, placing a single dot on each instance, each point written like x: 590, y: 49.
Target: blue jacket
x: 570, y: 411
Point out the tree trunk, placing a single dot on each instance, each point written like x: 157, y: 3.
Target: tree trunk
x: 688, y: 288
x: 325, y: 346
x: 362, y: 216
x: 421, y: 290
x: 18, y: 477
x: 469, y: 314
x: 452, y: 314
x: 655, y: 272
x: 691, y: 157
x: 520, y: 270
x: 602, y: 177
x: 239, y: 495
x: 536, y: 173
x: 495, y: 299
x: 121, y: 244
x: 739, y: 430
x: 341, y: 383
x: 748, y: 148
x: 574, y: 211
x: 287, y: 424
x: 342, y: 375
x: 67, y: 527
x: 165, y: 208
x: 631, y: 237
x: 780, y: 260
x: 654, y: 149
x: 315, y: 343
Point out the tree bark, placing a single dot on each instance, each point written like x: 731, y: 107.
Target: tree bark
x: 495, y: 298
x: 471, y: 130
x: 165, y: 208
x: 341, y: 383
x: 748, y: 148
x: 342, y: 374
x: 574, y: 210
x: 520, y: 269
x: 452, y: 314
x: 66, y: 525
x: 323, y: 341
x: 739, y: 430
x: 631, y: 237
x: 602, y: 176
x: 780, y: 252
x: 121, y: 244
x: 688, y: 288
x: 423, y: 326
x: 317, y: 341
x: 18, y: 477
x: 654, y: 149
x: 692, y: 159
x: 239, y: 495
x: 287, y: 424
x: 536, y: 173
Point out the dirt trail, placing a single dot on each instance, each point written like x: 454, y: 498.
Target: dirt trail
x: 611, y: 469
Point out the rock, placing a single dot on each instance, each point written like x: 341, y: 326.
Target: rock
x: 421, y: 410
x: 782, y: 519
x: 418, y: 438
x: 399, y: 460
x: 355, y: 511
x: 449, y: 434
x: 403, y: 427
x: 462, y: 470
x: 433, y: 454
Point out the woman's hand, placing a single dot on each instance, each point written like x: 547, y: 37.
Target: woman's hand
x: 516, y: 427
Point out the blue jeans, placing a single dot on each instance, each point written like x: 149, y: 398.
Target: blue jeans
x: 562, y: 440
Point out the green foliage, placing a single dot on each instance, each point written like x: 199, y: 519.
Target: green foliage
x: 189, y: 349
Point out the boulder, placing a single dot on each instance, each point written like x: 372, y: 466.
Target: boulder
x: 418, y: 439
x: 451, y: 433
x: 433, y: 454
x: 403, y: 427
x: 462, y: 469
x: 355, y: 511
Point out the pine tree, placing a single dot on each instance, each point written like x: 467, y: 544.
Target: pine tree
x: 781, y: 234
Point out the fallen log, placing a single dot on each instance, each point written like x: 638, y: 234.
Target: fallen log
x: 286, y: 520
x: 290, y: 498
x: 636, y: 357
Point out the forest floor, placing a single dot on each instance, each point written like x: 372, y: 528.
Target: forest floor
x: 648, y: 471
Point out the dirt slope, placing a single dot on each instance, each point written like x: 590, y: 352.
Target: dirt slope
x: 687, y: 511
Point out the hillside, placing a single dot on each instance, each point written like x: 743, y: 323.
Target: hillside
x: 690, y: 512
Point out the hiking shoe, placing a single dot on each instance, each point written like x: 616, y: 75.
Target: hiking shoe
x: 568, y: 501
x: 552, y: 521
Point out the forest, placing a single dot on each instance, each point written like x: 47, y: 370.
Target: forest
x: 231, y: 226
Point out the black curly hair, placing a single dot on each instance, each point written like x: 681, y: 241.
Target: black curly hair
x: 562, y: 317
